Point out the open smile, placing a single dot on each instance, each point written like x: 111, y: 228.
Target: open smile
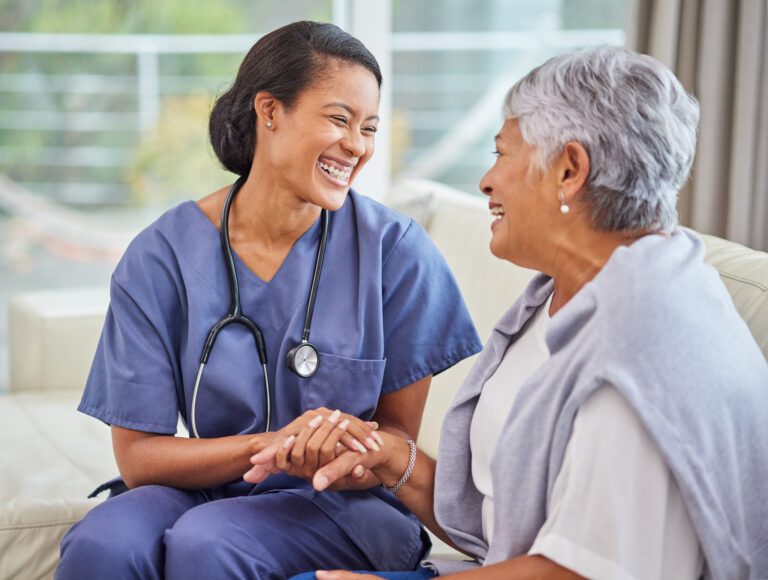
x: 497, y: 211
x: 334, y: 171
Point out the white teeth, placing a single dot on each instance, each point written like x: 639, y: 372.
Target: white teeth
x: 497, y: 211
x: 342, y: 174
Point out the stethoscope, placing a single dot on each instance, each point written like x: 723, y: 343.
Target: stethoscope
x: 303, y: 359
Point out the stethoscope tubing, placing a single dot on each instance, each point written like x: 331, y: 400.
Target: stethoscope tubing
x: 236, y: 316
x: 193, y: 422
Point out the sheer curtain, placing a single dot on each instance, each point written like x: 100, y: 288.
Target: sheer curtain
x: 719, y: 50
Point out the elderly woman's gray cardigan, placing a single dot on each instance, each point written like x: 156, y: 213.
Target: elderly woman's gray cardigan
x: 658, y: 325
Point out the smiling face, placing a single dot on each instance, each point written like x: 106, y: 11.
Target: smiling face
x: 316, y: 148
x: 522, y: 200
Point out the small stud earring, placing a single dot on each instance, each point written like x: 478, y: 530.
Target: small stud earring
x: 564, y: 208
x: 269, y: 124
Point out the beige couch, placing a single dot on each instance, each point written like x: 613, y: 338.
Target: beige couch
x: 53, y: 457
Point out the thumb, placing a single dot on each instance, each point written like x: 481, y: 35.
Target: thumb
x: 256, y: 474
x: 340, y: 467
x: 266, y: 455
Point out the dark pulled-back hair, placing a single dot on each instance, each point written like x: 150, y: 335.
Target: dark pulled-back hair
x: 283, y: 63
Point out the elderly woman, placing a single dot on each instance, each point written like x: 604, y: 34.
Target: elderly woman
x: 616, y: 423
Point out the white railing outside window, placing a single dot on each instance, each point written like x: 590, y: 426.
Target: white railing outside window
x: 94, y: 147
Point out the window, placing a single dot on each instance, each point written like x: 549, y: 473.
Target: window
x: 103, y: 109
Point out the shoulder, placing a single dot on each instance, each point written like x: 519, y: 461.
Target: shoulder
x: 656, y: 270
x: 661, y: 282
x: 390, y: 228
x: 659, y: 301
x: 155, y: 251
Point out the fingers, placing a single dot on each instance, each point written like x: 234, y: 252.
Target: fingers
x: 282, y: 461
x: 323, y: 436
x: 340, y: 467
x: 362, y: 431
x: 367, y: 480
x: 263, y: 464
x: 331, y: 445
x: 296, y: 456
x: 299, y: 423
x: 318, y: 439
x: 256, y: 474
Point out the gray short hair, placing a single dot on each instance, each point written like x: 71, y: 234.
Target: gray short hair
x: 631, y: 114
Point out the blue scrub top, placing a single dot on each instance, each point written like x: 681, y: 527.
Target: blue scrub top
x: 388, y: 313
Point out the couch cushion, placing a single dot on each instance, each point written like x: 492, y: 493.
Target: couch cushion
x: 745, y: 273
x: 53, y: 337
x: 53, y: 457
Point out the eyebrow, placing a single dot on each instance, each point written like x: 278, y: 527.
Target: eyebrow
x: 349, y: 109
x: 497, y: 136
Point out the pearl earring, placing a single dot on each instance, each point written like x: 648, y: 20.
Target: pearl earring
x: 564, y: 208
x: 269, y: 124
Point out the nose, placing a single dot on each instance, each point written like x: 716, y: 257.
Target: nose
x: 355, y: 144
x: 485, y: 183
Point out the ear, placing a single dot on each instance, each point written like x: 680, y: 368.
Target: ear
x: 574, y: 168
x: 264, y: 104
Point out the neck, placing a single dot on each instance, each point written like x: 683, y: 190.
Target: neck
x: 265, y: 213
x: 577, y: 258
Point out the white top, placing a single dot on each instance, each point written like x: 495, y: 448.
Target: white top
x: 615, y: 510
x: 521, y: 360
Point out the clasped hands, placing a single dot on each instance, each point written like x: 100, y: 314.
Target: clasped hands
x: 334, y: 450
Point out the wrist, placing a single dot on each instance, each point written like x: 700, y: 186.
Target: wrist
x: 256, y: 443
x: 391, y: 471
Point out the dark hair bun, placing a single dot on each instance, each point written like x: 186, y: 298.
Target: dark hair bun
x: 233, y: 134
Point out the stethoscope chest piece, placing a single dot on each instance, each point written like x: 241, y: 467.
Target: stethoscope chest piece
x: 303, y: 360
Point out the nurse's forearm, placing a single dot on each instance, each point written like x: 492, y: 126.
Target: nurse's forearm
x: 146, y: 458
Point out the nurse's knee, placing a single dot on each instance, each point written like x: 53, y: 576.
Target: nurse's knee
x: 204, y: 543
x: 116, y: 538
x: 99, y: 546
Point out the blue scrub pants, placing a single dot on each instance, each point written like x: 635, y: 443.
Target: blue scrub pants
x: 155, y: 532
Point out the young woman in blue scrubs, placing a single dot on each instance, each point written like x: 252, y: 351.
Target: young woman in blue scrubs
x: 297, y: 125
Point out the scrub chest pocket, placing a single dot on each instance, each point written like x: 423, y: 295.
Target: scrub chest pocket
x: 352, y: 385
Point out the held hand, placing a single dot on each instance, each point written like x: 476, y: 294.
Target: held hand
x: 312, y: 440
x: 358, y: 435
x: 387, y: 466
x: 317, y: 445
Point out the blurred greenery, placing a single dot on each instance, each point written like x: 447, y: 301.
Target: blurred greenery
x: 172, y: 160
x: 151, y: 16
x: 175, y: 161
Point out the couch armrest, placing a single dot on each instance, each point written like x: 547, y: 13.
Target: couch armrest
x: 53, y: 336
